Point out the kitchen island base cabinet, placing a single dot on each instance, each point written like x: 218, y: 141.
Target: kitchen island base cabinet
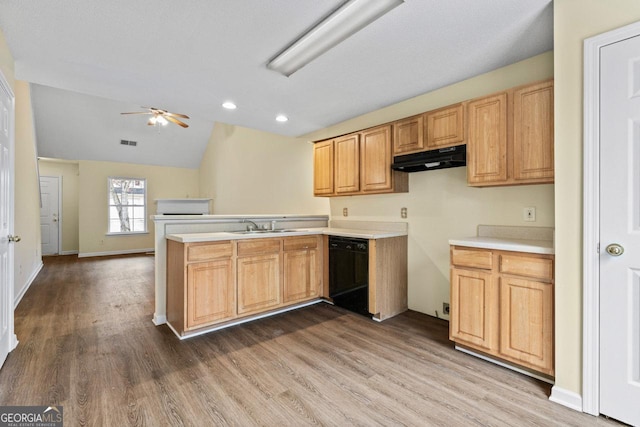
x: 502, y: 305
x: 212, y: 284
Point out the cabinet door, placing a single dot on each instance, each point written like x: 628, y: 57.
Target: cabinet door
x: 487, y: 140
x: 375, y: 159
x: 408, y: 135
x: 474, y: 308
x: 445, y: 127
x: 258, y: 283
x: 301, y: 275
x: 323, y: 168
x: 347, y: 165
x: 533, y: 133
x: 526, y: 322
x: 210, y: 292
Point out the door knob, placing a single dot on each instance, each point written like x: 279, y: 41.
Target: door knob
x: 615, y: 249
x: 14, y: 239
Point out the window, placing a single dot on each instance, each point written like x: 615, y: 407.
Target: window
x: 127, y: 205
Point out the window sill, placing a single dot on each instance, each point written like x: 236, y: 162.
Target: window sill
x: 128, y: 233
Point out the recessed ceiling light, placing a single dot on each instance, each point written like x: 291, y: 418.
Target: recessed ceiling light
x: 229, y: 105
x: 282, y: 118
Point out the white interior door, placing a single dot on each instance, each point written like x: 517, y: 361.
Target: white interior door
x: 50, y: 214
x: 7, y: 338
x: 620, y: 231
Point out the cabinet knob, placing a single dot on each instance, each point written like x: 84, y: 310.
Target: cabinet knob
x: 13, y: 239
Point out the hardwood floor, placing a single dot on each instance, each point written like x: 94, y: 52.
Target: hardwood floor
x: 87, y: 342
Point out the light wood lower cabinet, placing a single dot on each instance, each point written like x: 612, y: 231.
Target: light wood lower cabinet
x: 302, y: 269
x: 215, y: 282
x: 200, y: 284
x: 502, y: 305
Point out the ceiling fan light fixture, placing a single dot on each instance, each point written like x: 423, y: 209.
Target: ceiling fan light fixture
x: 160, y: 119
x: 345, y: 21
x: 152, y: 120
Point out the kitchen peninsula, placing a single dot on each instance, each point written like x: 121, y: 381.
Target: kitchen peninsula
x: 281, y: 265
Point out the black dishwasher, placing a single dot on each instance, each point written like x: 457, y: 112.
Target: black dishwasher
x: 349, y: 273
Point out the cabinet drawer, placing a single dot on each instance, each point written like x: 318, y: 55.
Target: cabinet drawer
x: 474, y: 258
x: 207, y: 251
x: 527, y: 266
x: 304, y: 242
x: 258, y: 246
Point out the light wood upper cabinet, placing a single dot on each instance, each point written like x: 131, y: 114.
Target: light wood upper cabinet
x: 362, y: 165
x: 510, y: 137
x: 502, y: 305
x: 323, y: 168
x: 533, y: 132
x: 347, y: 164
x: 408, y: 135
x: 445, y: 127
x: 487, y: 140
x: 375, y: 159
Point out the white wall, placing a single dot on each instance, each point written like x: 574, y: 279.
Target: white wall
x: 247, y: 171
x: 440, y: 204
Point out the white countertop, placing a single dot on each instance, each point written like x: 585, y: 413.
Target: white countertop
x: 507, y: 244
x: 537, y: 240
x: 332, y: 231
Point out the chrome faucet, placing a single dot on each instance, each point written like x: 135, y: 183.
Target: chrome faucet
x: 251, y: 227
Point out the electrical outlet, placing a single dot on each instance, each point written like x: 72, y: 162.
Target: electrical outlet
x: 403, y: 212
x: 445, y: 308
x: 345, y: 212
x: 529, y: 214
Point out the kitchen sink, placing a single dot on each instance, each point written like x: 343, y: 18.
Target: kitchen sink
x: 261, y: 231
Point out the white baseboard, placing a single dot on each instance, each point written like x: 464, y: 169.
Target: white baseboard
x: 68, y: 252
x: 108, y: 253
x: 26, y: 286
x: 159, y: 320
x: 566, y: 398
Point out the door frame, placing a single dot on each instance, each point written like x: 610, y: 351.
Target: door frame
x: 59, y: 177
x: 4, y: 85
x: 591, y: 214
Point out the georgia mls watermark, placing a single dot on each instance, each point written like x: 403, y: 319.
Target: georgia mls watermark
x: 30, y: 416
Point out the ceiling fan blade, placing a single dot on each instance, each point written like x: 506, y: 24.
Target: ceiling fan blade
x: 177, y: 115
x: 176, y: 121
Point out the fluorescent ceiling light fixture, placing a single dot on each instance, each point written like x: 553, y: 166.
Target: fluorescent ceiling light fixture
x: 229, y: 105
x: 282, y: 118
x: 345, y: 21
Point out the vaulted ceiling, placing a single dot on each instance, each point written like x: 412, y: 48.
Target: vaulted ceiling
x: 89, y: 60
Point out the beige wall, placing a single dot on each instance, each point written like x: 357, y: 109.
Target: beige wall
x: 162, y: 182
x: 247, y: 171
x: 68, y: 172
x: 27, y: 259
x: 440, y: 204
x: 575, y: 20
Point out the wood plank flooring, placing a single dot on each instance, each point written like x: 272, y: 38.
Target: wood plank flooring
x: 87, y: 342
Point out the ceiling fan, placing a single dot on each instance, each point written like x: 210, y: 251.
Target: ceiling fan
x: 162, y: 117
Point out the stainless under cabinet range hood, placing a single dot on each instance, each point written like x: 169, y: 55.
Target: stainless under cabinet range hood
x: 450, y: 157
